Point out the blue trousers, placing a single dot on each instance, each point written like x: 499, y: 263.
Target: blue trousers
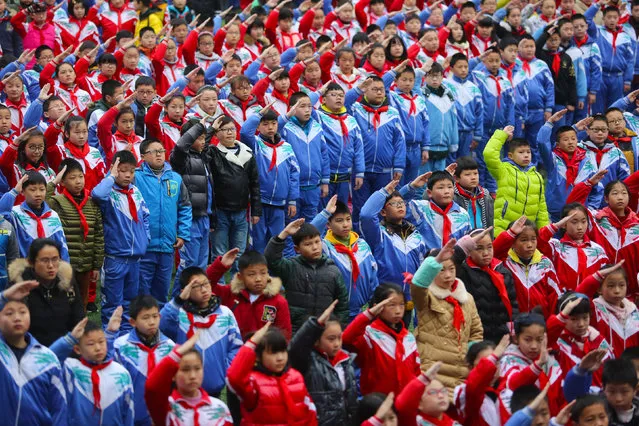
x: 155, y: 275
x: 485, y: 178
x: 120, y: 286
x: 270, y: 225
x: 372, y: 182
x: 465, y: 140
x: 533, y: 124
x: 611, y: 90
x: 231, y: 231
x: 413, y: 163
x: 196, y: 251
x: 342, y: 189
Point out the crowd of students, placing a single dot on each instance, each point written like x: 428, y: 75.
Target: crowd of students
x: 319, y: 212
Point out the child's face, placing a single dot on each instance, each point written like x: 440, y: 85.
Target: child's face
x: 578, y: 324
x: 208, y: 101
x: 126, y: 123
x: 548, y: 8
x: 531, y: 340
x: 14, y: 89
x: 318, y: 20
x: 446, y: 277
x: 434, y: 400
x: 567, y: 142
x: 485, y: 32
x: 313, y: 73
x: 483, y: 253
x: 255, y: 278
x: 542, y: 415
x: 396, y: 48
x: 374, y: 37
x: 78, y: 133
x: 614, y: 288
x: 413, y: 26
x: 56, y: 109
x: 394, y: 210
x: 468, y: 179
x: 442, y: 192
x: 179, y: 4
x: 118, y: 96
x: 377, y: 58
x: 598, y: 131
x: 34, y: 149
x: 258, y: 32
x: 196, y: 82
x: 436, y: 19
x: 286, y: 25
x: 126, y: 173
x: 226, y: 134
x: 304, y: 109
x: 190, y: 374
x: 492, y: 61
x: 341, y: 224
x: 274, y: 361
x: 147, y: 322
x: 124, y: 40
x: 3, y: 6
x: 616, y: 122
x: 282, y: 85
x: 242, y: 91
x: 581, y: 28
x: 199, y: 143
x: 108, y: 69
x: 594, y: 415
x: 5, y: 121
x: 171, y: 51
x: 457, y: 32
x: 553, y: 42
x: 577, y: 226
x: 514, y: 18
x: 145, y: 94
x: 393, y: 312
x: 526, y: 243
x: 406, y: 82
x: 148, y: 40
x: 175, y: 109
x: 117, y: 3
x: 509, y: 54
x: 155, y: 155
x: 390, y: 30
x: 268, y: 128
x: 377, y: 8
x: 346, y: 14
x: 34, y: 194
x: 92, y: 346
x: 272, y: 61
x: 460, y: 69
x: 310, y: 248
x: 233, y: 68
x: 334, y: 100
x: 205, y: 44
x: 431, y: 42
x: 618, y: 197
x: 521, y: 156
x: 485, y: 354
x: 15, y: 320
x: 619, y: 396
x: 567, y: 5
x: 330, y: 342
x: 375, y: 92
x: 74, y: 182
x: 489, y: 6
x: 346, y: 63
x: 66, y: 74
x: 567, y: 32
x: 233, y: 35
x: 200, y: 290
x: 131, y: 58
x: 180, y: 33
x: 467, y: 14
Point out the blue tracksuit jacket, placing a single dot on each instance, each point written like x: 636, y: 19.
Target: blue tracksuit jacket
x: 444, y: 133
x: 279, y: 184
x: 592, y: 65
x: 580, y: 71
x: 346, y: 154
x: 499, y: 108
x: 132, y: 237
x: 415, y: 124
x: 218, y: 344
x: 310, y: 149
x: 168, y: 199
x: 612, y: 160
x: 541, y: 87
x: 469, y: 105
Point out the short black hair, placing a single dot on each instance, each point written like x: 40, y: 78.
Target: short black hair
x: 90, y: 327
x: 465, y: 163
x: 619, y: 372
x: 475, y: 349
x: 522, y: 396
x: 109, y: 87
x: 34, y: 178
x: 40, y: 49
x: 526, y: 320
x: 383, y: 291
x: 486, y: 22
x: 269, y: 115
x: 517, y: 143
x: 436, y: 68
x: 437, y: 176
x: 295, y: 97
x: 607, y: 10
x: 565, y: 129
x: 47, y: 104
x: 333, y: 86
x: 285, y: 13
x: 107, y: 58
x: 123, y: 34
x: 458, y: 57
x: 191, y: 67
x: 178, y: 21
x: 273, y: 341
x: 72, y: 165
x: 250, y: 258
x: 38, y: 244
x: 340, y: 208
x: 142, y: 303
x: 306, y: 231
x: 144, y: 80
x: 582, y: 308
x: 507, y: 41
x: 467, y: 5
x: 368, y: 406
x: 599, y: 117
x: 407, y: 70
x: 188, y: 273
x: 144, y: 145
x: 584, y: 402
x: 126, y: 157
x: 145, y: 30
x: 631, y: 352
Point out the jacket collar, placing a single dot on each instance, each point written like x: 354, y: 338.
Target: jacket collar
x: 19, y: 270
x: 459, y: 292
x: 272, y: 289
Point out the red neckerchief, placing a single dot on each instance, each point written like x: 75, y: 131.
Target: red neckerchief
x: 95, y: 380
x: 599, y: 152
x: 131, y: 138
x: 38, y: 220
x: 498, y: 87
x: 342, y: 122
x: 473, y: 198
x: 519, y: 31
x: 179, y: 399
x: 350, y: 252
x: 22, y: 103
x: 401, y: 374
x: 544, y: 18
x: 189, y: 92
x: 624, y: 19
x: 525, y: 65
x: 368, y: 67
x: 573, y: 339
x: 266, y: 70
x: 458, y: 313
x: 274, y: 147
x: 413, y: 108
x: 79, y: 153
x: 206, y: 324
x: 497, y: 279
x: 582, y: 259
x: 129, y: 197
x: 445, y: 421
x: 83, y: 219
x: 339, y: 357
x: 509, y: 71
x: 244, y: 105
x: 432, y: 55
x: 622, y: 225
x: 572, y: 164
x: 72, y: 95
x: 614, y: 34
x: 556, y: 62
x: 377, y: 113
x: 485, y: 40
x: 280, y: 97
x: 619, y: 139
x: 447, y: 223
x: 150, y: 356
x: 581, y: 42
x: 350, y: 84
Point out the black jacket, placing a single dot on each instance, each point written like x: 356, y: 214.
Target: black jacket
x: 565, y: 80
x: 10, y: 40
x: 335, y: 404
x: 140, y: 113
x: 194, y: 169
x: 492, y: 312
x: 54, y: 311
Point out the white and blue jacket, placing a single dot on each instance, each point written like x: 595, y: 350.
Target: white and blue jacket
x: 310, y: 149
x: 280, y: 185
x: 345, y: 156
x: 541, y: 86
x: 612, y: 160
x: 27, y: 228
x: 444, y: 134
x: 592, y: 65
x: 167, y: 197
x: 499, y: 105
x: 132, y: 237
x: 218, y: 344
x: 361, y: 291
x: 581, y: 77
x: 469, y: 105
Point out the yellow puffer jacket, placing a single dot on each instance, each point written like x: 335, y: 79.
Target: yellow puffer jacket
x: 437, y: 339
x: 520, y: 191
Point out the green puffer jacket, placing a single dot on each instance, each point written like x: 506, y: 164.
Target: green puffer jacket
x: 85, y: 255
x: 520, y: 191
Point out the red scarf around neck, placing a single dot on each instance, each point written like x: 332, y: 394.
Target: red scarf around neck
x: 581, y: 42
x: 206, y: 324
x: 619, y: 139
x: 274, y: 147
x: 582, y: 259
x: 78, y: 207
x: 38, y: 219
x: 150, y: 356
x: 413, y: 108
x: 447, y: 229
x: 473, y: 198
x: 556, y: 62
x: 458, y: 313
x: 445, y: 420
x: 497, y: 87
x: 572, y: 164
x: 79, y: 153
x: 377, y: 113
x: 95, y: 380
x: 184, y: 404
x: 342, y: 123
x: 129, y: 198
x: 350, y: 252
x: 574, y: 340
x: 497, y: 278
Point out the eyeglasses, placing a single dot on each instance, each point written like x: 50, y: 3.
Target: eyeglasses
x: 377, y: 89
x: 437, y: 392
x: 199, y: 286
x: 155, y: 151
x: 146, y: 92
x: 617, y: 121
x: 599, y: 129
x: 35, y: 148
x: 46, y: 261
x: 227, y: 129
x: 397, y: 204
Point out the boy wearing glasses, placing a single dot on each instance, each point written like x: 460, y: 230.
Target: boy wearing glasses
x: 168, y: 198
x: 625, y: 138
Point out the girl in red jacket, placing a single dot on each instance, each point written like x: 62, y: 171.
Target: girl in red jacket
x: 64, y: 85
x: 575, y: 255
x: 271, y: 392
x: 168, y: 129
x: 253, y: 295
x: 166, y: 64
x: 78, y: 28
x: 183, y: 366
x: 124, y: 137
x: 25, y: 153
x: 373, y: 332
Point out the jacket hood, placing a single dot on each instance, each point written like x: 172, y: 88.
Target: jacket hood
x: 18, y: 268
x: 459, y: 293
x: 273, y: 286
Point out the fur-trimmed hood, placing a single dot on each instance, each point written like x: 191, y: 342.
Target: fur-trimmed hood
x: 19, y: 270
x: 272, y: 288
x: 460, y: 293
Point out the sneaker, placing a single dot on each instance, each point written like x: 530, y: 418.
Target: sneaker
x: 91, y: 307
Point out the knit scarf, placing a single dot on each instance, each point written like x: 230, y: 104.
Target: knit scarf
x: 38, y: 219
x: 556, y: 62
x: 413, y: 108
x: 78, y: 207
x: 349, y: 251
x: 447, y: 229
x: 497, y: 279
x: 79, y: 153
x: 497, y: 88
x: 95, y: 380
x: 473, y: 200
x: 277, y: 142
x: 133, y: 210
x: 377, y: 113
x: 572, y: 164
x: 445, y: 420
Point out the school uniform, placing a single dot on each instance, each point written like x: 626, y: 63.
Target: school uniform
x: 470, y: 114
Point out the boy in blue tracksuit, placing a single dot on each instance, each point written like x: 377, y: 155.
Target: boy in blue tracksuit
x: 592, y: 64
x: 617, y: 53
x: 304, y: 134
x: 344, y: 142
x: 413, y: 113
x: 28, y: 370
x: 167, y: 197
x: 468, y: 103
x: 352, y: 255
x: 33, y: 218
x: 126, y: 225
x: 383, y: 137
x: 279, y: 175
x: 512, y: 70
x: 196, y: 309
x: 499, y: 108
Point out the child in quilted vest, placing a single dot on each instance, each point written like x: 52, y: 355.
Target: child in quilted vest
x: 270, y: 391
x: 442, y: 301
x: 187, y: 401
